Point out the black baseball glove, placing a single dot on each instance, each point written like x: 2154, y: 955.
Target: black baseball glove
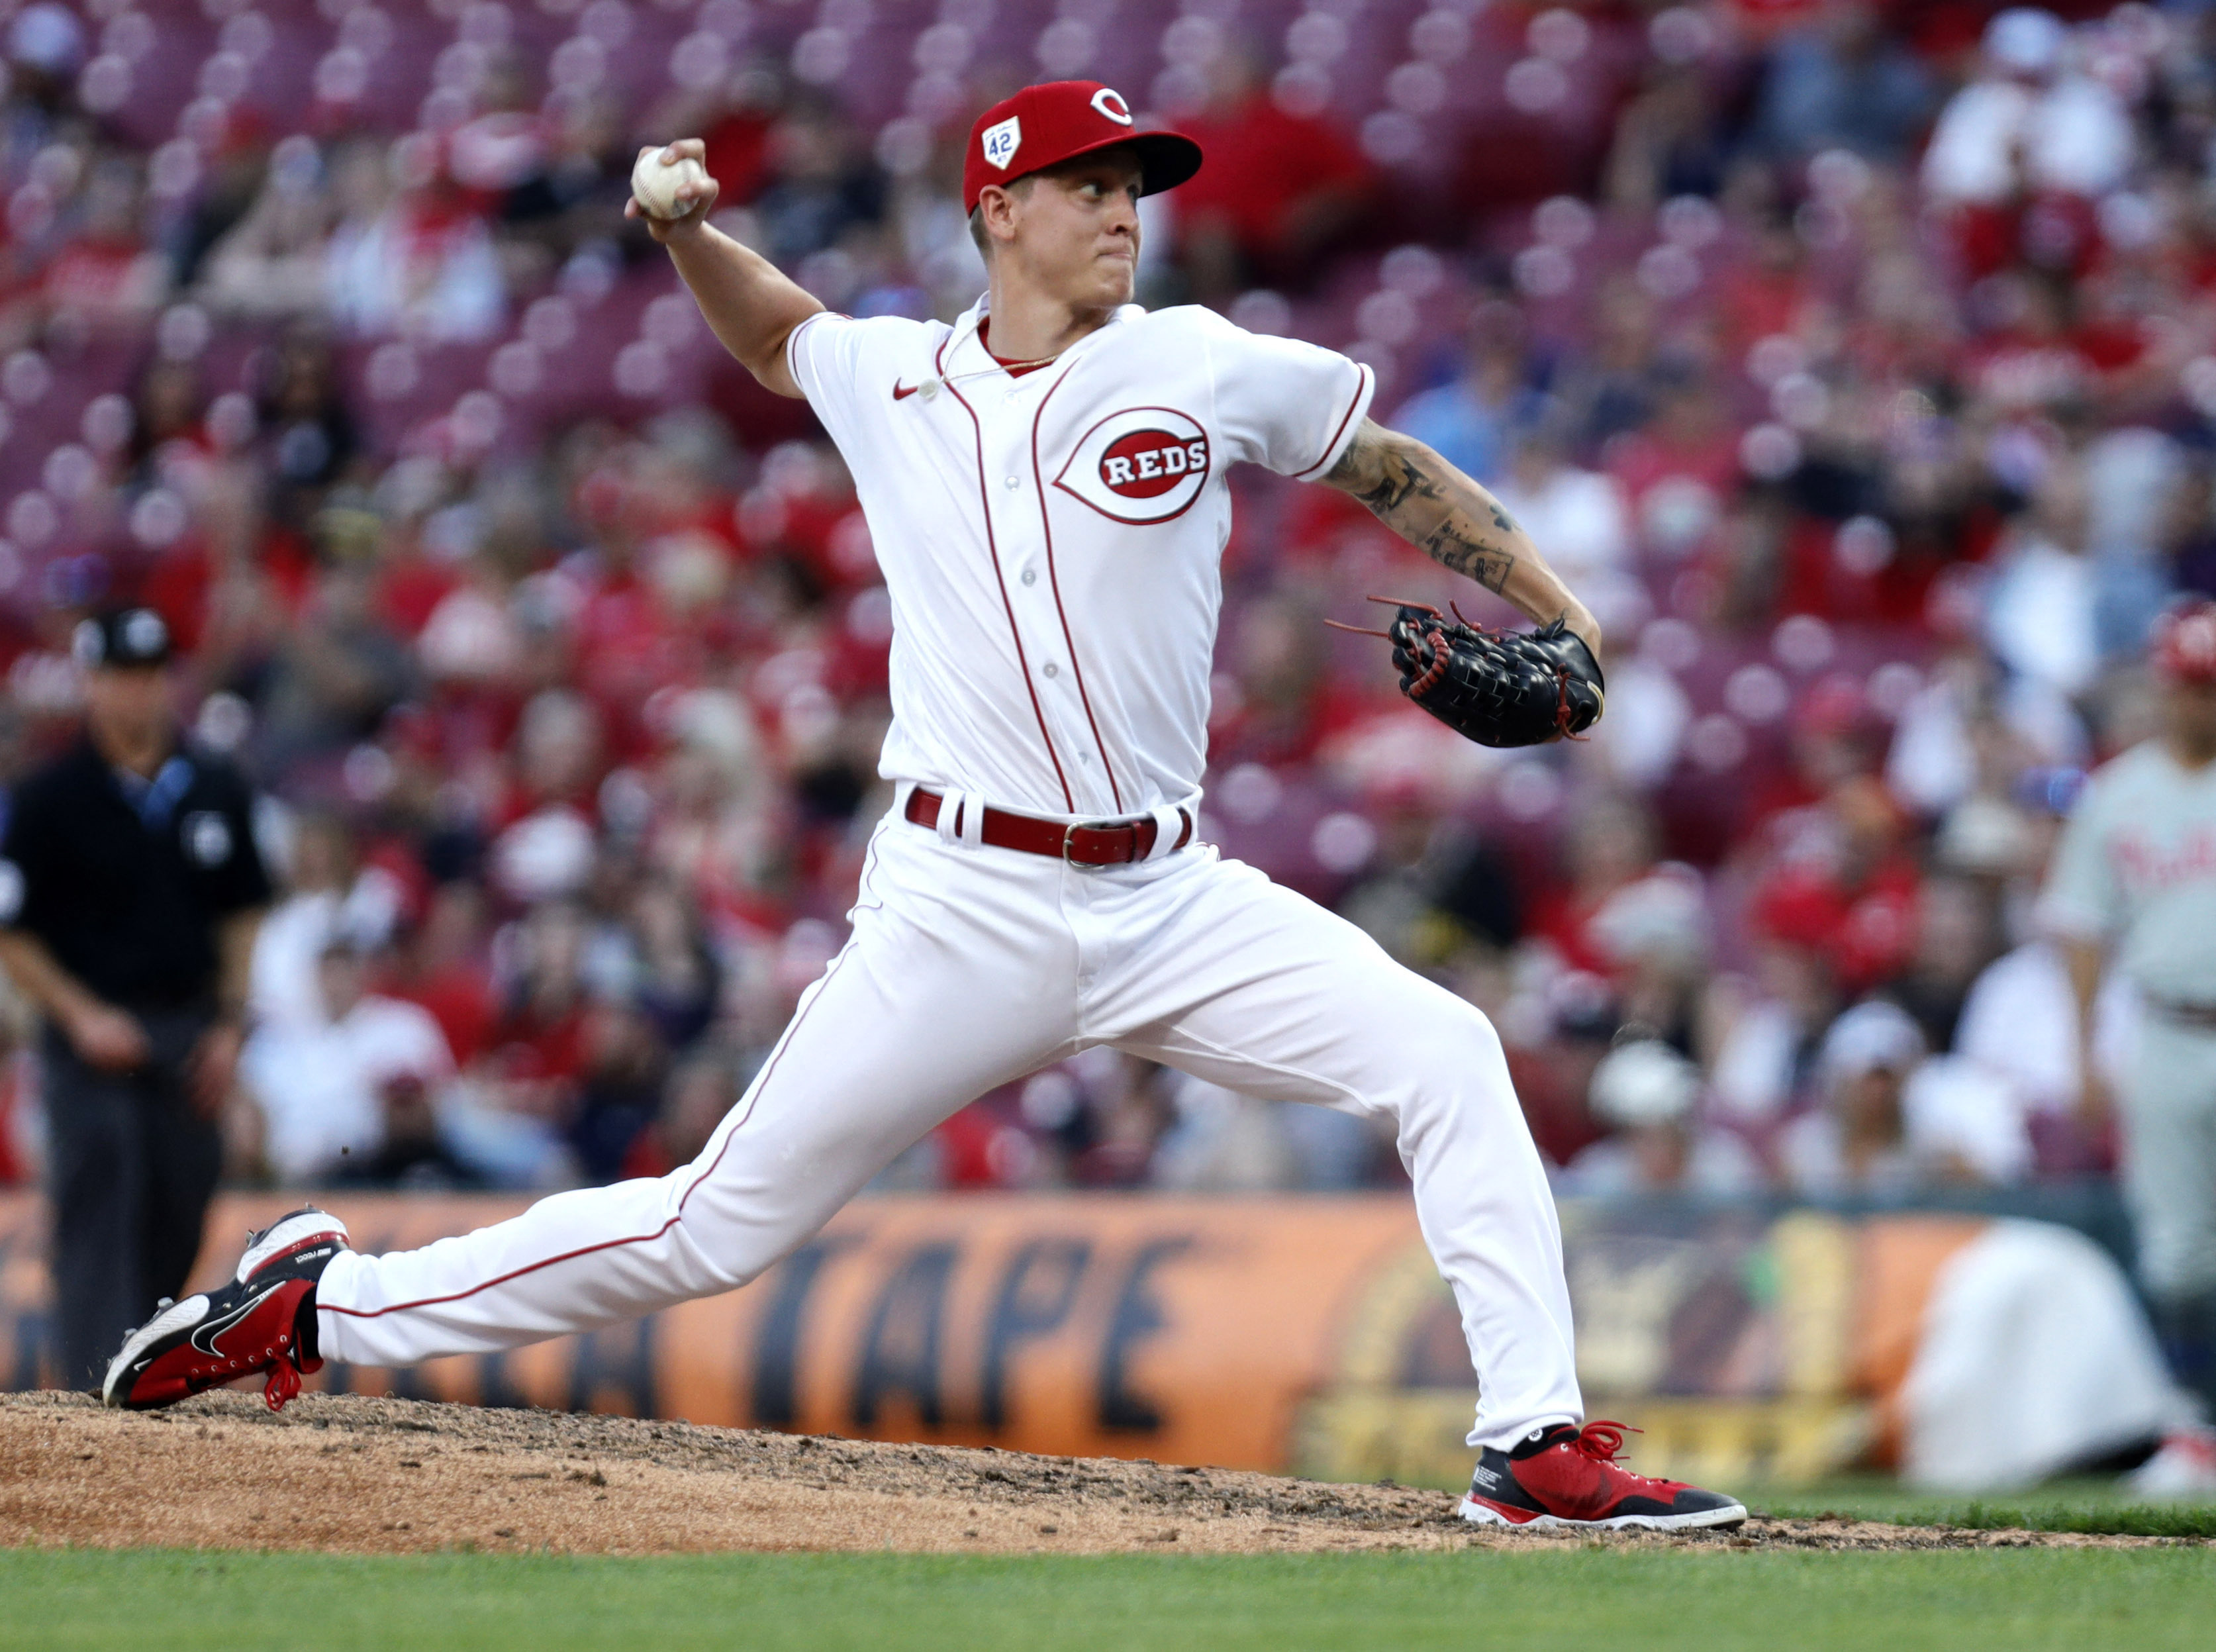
x: 1497, y: 687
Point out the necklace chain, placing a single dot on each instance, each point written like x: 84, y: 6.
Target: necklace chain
x: 998, y: 366
x: 977, y: 332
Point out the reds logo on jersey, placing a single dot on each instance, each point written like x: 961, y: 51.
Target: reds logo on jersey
x: 1143, y: 465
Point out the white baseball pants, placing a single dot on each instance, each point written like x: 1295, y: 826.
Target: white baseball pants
x: 969, y: 967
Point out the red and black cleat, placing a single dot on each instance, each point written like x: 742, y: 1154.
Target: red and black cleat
x: 1567, y: 1476
x: 262, y: 1321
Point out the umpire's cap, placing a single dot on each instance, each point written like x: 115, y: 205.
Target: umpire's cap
x: 121, y: 638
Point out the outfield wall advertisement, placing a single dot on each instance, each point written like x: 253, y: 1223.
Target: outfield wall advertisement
x: 1303, y: 1333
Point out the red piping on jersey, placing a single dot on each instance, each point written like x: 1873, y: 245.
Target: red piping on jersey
x: 985, y: 504
x: 1053, y: 583
x: 516, y: 1274
x: 754, y: 1101
x: 839, y: 315
x: 1361, y: 381
x: 606, y: 1244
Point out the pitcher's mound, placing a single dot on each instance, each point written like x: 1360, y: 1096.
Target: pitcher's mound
x: 340, y: 1472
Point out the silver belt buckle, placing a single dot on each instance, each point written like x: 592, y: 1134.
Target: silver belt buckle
x: 1070, y: 831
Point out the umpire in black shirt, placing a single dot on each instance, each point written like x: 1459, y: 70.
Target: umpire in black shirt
x: 130, y: 890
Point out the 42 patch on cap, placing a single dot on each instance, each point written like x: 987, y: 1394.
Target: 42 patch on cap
x: 1001, y: 142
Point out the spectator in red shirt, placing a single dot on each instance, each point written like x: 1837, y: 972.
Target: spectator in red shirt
x: 1611, y: 847
x: 1845, y: 886
x: 1280, y: 707
x: 1278, y: 190
x: 443, y: 968
x: 540, y: 1052
x: 738, y: 140
x: 108, y: 277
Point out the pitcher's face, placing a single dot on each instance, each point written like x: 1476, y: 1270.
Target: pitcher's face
x: 1077, y: 231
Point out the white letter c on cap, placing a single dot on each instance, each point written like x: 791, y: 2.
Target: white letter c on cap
x: 1111, y: 103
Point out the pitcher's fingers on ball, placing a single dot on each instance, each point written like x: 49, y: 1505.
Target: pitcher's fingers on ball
x: 669, y: 184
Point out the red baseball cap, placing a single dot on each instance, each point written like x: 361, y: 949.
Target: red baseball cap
x: 1058, y: 120
x: 2185, y: 642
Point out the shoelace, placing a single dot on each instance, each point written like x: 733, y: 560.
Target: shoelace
x: 1601, y: 1439
x: 283, y: 1384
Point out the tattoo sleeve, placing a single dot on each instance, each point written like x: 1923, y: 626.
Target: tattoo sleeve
x: 1453, y: 519
x: 1430, y: 504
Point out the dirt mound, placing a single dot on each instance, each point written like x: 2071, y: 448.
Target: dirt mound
x: 362, y: 1476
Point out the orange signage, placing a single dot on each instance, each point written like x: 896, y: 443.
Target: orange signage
x: 1310, y: 1333
x: 1182, y: 1330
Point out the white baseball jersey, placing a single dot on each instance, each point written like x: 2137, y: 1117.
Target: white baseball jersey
x: 1051, y: 541
x: 2138, y: 860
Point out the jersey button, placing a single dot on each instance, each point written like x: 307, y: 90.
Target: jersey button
x: 1013, y: 483
x: 1052, y: 670
x: 1030, y: 576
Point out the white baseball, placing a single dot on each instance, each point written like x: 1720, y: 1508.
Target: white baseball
x: 655, y: 181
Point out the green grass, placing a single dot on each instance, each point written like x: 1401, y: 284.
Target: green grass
x: 1714, y: 1599
x: 2131, y: 1519
x: 2103, y: 1506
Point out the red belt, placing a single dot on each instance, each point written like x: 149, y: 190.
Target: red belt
x: 1090, y: 843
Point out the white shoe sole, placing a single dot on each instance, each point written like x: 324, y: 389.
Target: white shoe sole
x: 1730, y: 1515
x: 177, y: 1316
x: 292, y: 1232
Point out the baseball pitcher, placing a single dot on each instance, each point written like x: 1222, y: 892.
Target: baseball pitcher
x: 1045, y: 484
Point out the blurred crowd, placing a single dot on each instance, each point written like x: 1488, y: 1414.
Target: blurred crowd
x: 1857, y: 361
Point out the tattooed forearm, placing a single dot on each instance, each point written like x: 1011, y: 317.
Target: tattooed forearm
x: 1429, y: 503
x: 1396, y: 482
x: 1455, y: 521
x: 1487, y: 565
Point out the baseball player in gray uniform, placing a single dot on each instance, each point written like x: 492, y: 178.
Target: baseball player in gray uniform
x: 1043, y: 481
x: 2134, y: 879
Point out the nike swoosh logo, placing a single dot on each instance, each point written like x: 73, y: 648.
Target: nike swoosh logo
x: 205, y: 1333
x: 902, y: 392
